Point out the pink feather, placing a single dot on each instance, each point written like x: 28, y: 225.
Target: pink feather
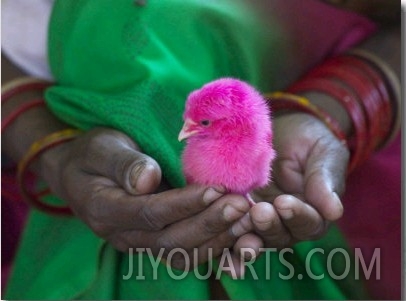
x: 229, y: 131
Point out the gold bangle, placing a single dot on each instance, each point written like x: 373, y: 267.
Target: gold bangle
x: 36, y: 149
x: 287, y: 101
x: 19, y: 82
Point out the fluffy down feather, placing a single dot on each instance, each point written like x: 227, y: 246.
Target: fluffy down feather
x: 229, y: 137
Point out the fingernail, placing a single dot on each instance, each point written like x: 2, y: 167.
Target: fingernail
x: 210, y: 195
x: 286, y: 213
x: 339, y: 205
x: 144, y: 177
x: 135, y: 173
x: 231, y: 214
x: 237, y: 230
x: 242, y: 226
x: 337, y: 199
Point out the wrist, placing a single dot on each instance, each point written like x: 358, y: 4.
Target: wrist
x: 51, y: 164
x: 25, y: 117
x: 28, y: 128
x: 353, y: 95
x: 331, y: 107
x: 36, y: 150
x: 29, y: 131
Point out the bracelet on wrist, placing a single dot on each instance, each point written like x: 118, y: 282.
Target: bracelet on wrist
x: 36, y: 149
x: 283, y: 101
x: 358, y: 142
x: 390, y: 82
x: 365, y: 94
x: 19, y: 111
x: 21, y: 85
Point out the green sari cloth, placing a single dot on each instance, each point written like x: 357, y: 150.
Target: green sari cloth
x: 130, y: 67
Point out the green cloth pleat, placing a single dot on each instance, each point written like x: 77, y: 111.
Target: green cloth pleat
x: 130, y: 67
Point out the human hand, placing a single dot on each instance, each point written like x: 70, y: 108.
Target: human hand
x: 308, y: 177
x: 109, y: 184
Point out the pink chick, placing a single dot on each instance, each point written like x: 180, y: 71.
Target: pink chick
x: 228, y: 129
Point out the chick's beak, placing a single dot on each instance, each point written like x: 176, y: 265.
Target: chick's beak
x: 187, y: 129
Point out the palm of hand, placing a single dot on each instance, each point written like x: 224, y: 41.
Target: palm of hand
x: 308, y: 176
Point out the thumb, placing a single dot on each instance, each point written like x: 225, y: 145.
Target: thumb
x: 140, y: 173
x: 115, y: 156
x: 325, y: 177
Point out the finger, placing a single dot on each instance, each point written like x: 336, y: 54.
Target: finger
x: 289, y: 175
x: 204, y: 226
x: 115, y: 156
x: 248, y: 246
x: 232, y: 264
x: 112, y: 208
x: 325, y: 176
x: 215, y: 246
x: 268, y: 225
x: 302, y: 220
x: 212, y: 248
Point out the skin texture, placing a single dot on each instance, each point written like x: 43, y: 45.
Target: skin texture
x: 117, y: 202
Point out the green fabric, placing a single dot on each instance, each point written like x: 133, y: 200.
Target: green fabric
x: 130, y: 67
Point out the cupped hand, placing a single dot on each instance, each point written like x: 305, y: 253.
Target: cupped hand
x: 113, y: 187
x: 307, y: 179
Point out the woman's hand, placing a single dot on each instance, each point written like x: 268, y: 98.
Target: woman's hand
x: 308, y: 177
x: 109, y: 184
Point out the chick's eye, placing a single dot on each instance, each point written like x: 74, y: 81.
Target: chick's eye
x: 205, y: 123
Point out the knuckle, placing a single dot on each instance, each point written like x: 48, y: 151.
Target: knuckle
x: 211, y: 227
x: 165, y: 243
x: 152, y: 221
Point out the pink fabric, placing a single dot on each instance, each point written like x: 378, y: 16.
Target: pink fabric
x: 316, y: 30
x: 13, y: 215
x: 372, y: 217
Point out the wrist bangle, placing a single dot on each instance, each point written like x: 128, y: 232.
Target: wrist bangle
x: 280, y: 101
x: 367, y: 89
x: 392, y: 84
x: 35, y: 150
x: 357, y: 145
x: 20, y: 85
x: 20, y: 110
x: 383, y: 117
x: 367, y: 94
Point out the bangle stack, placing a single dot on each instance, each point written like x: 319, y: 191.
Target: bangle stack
x: 10, y: 90
x: 366, y: 90
x: 281, y: 101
